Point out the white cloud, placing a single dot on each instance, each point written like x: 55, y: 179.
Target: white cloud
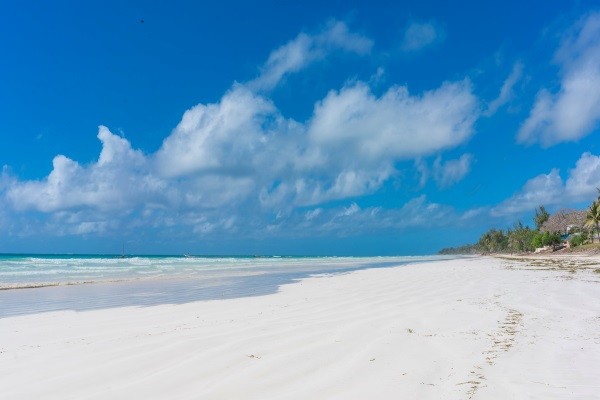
x: 543, y: 189
x: 348, y: 148
x: 377, y: 77
x: 236, y: 163
x: 354, y: 138
x: 306, y: 49
x: 350, y: 210
x: 223, y: 138
x: 550, y: 189
x: 352, y: 219
x: 337, y: 184
x: 423, y: 172
x: 5, y: 181
x: 421, y: 34
x: 474, y: 213
x: 242, y: 151
x: 396, y: 125
x: 119, y: 179
x: 312, y: 214
x: 584, y: 179
x: 90, y: 227
x: 452, y: 171
x: 574, y: 110
x: 506, y: 91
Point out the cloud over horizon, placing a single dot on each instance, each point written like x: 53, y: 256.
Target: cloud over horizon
x: 240, y: 154
x: 241, y: 165
x: 550, y: 189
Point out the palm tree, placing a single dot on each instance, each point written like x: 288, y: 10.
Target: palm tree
x: 541, y: 216
x: 592, y: 219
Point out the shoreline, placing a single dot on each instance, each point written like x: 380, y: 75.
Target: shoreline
x: 466, y: 328
x: 197, y: 283
x: 56, y: 270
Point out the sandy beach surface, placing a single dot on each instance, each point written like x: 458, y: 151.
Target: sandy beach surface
x: 480, y: 328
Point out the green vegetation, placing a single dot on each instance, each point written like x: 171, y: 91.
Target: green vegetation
x: 520, y: 238
x: 545, y: 239
x: 466, y: 249
x: 592, y: 219
x: 577, y: 240
x: 493, y: 241
x: 541, y: 216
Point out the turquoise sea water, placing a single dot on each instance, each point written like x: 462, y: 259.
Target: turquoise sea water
x: 35, y: 283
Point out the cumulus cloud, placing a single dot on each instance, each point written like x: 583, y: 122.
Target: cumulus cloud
x: 226, y: 138
x: 242, y: 151
x: 584, y: 179
x: 117, y: 180
x: 448, y: 173
x: 354, y: 138
x: 348, y: 147
x: 421, y: 34
x: 397, y: 124
x: 239, y: 162
x: 543, y: 189
x: 506, y: 91
x: 306, y: 49
x: 550, y: 189
x: 573, y: 111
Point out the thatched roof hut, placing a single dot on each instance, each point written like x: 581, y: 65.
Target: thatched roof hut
x: 564, y: 220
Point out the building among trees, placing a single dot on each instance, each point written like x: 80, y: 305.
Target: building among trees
x: 565, y: 221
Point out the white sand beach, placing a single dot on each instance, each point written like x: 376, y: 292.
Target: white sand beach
x: 480, y: 328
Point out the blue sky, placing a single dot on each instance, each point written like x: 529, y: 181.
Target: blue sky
x: 276, y: 128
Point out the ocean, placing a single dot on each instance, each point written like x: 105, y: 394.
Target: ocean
x: 34, y: 283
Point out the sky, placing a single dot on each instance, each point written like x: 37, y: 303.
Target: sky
x: 305, y: 128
